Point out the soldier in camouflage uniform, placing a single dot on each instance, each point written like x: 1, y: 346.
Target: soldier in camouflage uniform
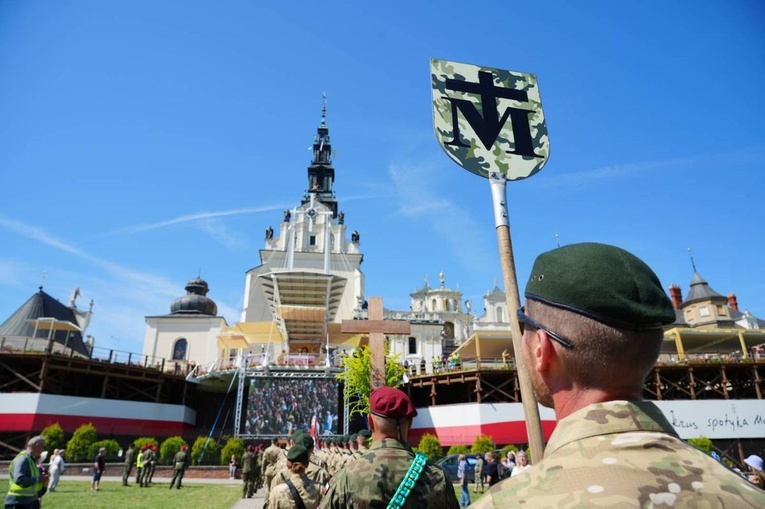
x: 248, y: 472
x: 362, y: 441
x: 313, y: 469
x: 282, y: 496
x: 270, y: 458
x: 372, y: 480
x: 592, y: 330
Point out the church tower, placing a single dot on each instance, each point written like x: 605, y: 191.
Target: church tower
x: 309, y: 278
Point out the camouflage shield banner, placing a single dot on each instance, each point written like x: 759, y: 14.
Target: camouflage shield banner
x: 489, y: 120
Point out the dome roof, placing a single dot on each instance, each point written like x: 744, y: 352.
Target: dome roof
x: 195, y: 302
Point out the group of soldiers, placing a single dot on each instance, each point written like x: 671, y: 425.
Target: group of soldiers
x: 145, y: 462
x: 320, y: 464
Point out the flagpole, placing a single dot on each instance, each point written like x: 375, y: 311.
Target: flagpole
x: 498, y: 182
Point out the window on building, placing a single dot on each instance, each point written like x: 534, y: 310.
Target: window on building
x: 312, y: 240
x: 433, y: 307
x: 721, y: 311
x: 412, y: 346
x: 500, y: 315
x: 180, y: 348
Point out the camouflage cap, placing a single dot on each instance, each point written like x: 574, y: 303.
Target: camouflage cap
x: 298, y: 453
x: 602, y: 282
x: 389, y: 402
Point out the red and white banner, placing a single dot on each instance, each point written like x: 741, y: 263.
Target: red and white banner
x: 460, y: 424
x: 29, y: 412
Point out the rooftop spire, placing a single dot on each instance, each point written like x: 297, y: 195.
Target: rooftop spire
x: 321, y: 174
x: 324, y: 109
x: 693, y: 263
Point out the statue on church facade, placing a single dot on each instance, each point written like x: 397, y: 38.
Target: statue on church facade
x: 287, y: 216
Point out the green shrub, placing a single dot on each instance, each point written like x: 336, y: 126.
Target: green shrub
x: 54, y: 437
x: 78, y: 447
x: 169, y: 448
x: 431, y: 447
x: 233, y: 446
x: 458, y: 449
x: 483, y: 444
x: 508, y: 448
x: 702, y: 443
x: 140, y: 442
x: 203, y: 452
x: 112, y: 449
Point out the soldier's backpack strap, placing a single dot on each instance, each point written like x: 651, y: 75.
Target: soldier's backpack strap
x: 410, y: 479
x: 295, y: 495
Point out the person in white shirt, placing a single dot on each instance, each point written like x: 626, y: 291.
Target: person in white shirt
x: 56, y: 467
x: 522, y: 463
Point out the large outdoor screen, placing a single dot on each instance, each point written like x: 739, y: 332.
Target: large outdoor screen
x: 278, y: 406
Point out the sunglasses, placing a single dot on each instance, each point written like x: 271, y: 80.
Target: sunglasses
x: 524, y: 319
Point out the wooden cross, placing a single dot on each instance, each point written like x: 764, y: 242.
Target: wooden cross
x: 377, y: 328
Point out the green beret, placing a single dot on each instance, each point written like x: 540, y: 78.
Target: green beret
x: 298, y: 453
x: 303, y: 439
x: 602, y: 282
x: 365, y: 433
x: 353, y: 437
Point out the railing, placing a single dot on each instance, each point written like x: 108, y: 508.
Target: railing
x: 45, y: 346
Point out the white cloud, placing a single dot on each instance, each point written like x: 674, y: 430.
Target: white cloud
x: 418, y: 195
x: 626, y: 170
x: 197, y: 217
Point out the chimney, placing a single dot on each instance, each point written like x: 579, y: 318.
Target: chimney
x: 676, y: 294
x: 733, y: 302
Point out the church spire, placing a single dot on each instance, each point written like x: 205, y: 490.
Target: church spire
x: 321, y: 174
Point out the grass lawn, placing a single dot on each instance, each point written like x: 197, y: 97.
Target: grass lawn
x: 77, y: 495
x: 473, y: 496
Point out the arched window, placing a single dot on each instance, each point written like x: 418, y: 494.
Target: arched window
x: 433, y: 307
x: 412, y: 346
x: 499, y: 313
x: 179, y: 349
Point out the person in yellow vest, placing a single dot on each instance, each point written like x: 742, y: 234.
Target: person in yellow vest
x: 139, y: 465
x: 25, y: 482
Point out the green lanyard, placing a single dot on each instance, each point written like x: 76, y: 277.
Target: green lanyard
x: 410, y: 479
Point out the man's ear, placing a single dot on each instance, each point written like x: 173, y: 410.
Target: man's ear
x: 542, y: 351
x: 371, y: 422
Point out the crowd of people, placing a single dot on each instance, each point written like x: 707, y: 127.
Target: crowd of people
x: 282, y: 406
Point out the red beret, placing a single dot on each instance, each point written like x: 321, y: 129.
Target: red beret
x: 389, y: 402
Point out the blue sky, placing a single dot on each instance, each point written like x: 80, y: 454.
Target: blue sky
x: 143, y: 143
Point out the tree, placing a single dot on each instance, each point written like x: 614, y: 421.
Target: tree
x: 169, y: 448
x: 482, y: 444
x: 203, y: 451
x: 431, y: 447
x: 702, y: 443
x: 112, y: 448
x: 233, y: 446
x: 78, y: 447
x: 508, y: 448
x: 356, y: 377
x: 54, y: 436
x: 140, y: 442
x: 458, y: 449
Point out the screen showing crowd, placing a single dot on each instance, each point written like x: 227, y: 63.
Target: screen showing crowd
x: 278, y: 406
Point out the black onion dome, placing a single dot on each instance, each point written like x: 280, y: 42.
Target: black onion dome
x: 195, y: 302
